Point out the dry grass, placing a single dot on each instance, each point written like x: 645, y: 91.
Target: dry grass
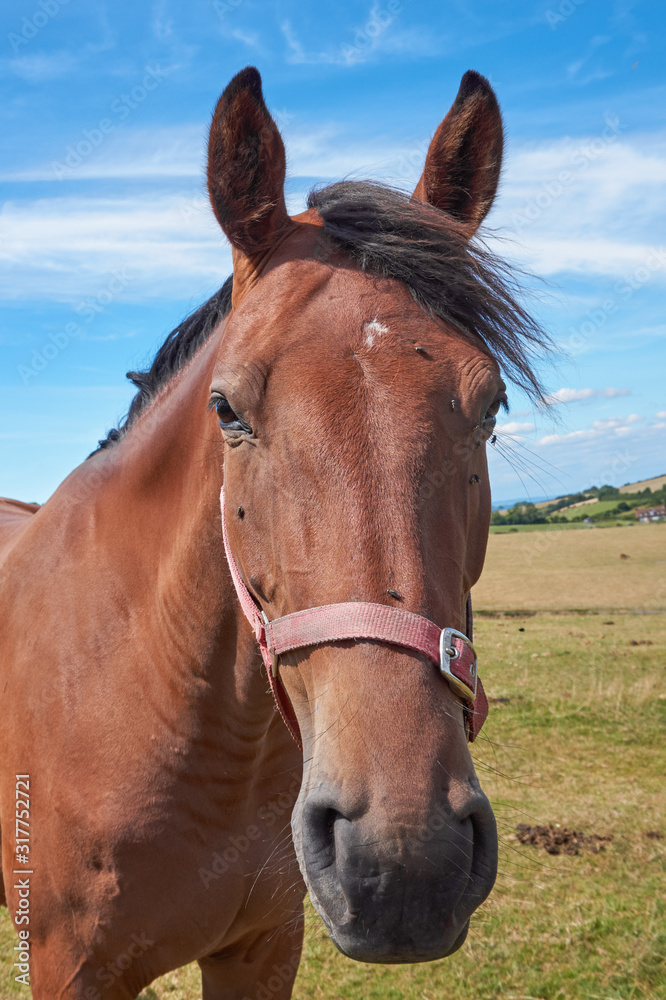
x: 645, y: 484
x: 575, y: 737
x: 562, y: 570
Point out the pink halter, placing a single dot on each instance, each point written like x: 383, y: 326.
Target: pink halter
x: 449, y: 649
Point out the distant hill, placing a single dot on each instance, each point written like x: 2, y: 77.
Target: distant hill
x: 646, y: 484
x: 598, y: 503
x: 655, y: 484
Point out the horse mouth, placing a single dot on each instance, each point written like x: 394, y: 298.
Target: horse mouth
x: 365, y: 937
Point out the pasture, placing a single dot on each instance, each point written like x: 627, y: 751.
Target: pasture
x: 575, y: 570
x: 598, y: 507
x: 575, y: 738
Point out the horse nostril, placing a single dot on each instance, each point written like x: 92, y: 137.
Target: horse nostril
x: 484, y: 851
x: 319, y: 833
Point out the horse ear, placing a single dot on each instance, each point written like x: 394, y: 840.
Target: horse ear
x: 463, y: 164
x: 246, y: 167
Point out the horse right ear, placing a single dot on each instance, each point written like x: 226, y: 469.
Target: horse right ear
x: 246, y: 169
x: 464, y: 159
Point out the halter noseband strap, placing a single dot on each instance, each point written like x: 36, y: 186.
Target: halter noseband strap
x: 451, y: 650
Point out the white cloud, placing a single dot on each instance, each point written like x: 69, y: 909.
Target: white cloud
x: 250, y: 39
x: 611, y: 393
x: 615, y: 450
x: 64, y: 244
x: 611, y: 426
x: 615, y: 190
x: 577, y: 395
x: 574, y: 68
x: 297, y: 53
x: 40, y: 67
x: 321, y: 151
x: 575, y: 462
x: 568, y: 396
x: 375, y: 36
x: 66, y: 248
x: 555, y: 194
x: 611, y: 257
x: 661, y: 415
x: 126, y: 153
x: 162, y: 23
x: 325, y: 153
x: 514, y: 429
x: 562, y: 438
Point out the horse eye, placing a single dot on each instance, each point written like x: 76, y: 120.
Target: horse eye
x: 225, y: 413
x: 493, y: 410
x: 229, y: 421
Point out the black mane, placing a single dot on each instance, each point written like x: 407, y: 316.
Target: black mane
x: 181, y: 345
x: 390, y: 236
x: 462, y: 282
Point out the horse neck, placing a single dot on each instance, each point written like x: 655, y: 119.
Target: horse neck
x: 155, y: 525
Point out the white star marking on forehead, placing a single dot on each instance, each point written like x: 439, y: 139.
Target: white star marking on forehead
x: 373, y: 330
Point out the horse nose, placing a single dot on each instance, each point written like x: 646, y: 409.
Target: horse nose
x: 397, y: 891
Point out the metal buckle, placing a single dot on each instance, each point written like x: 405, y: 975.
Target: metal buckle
x: 448, y: 652
x: 275, y: 660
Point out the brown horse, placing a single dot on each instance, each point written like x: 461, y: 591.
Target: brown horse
x: 346, y: 384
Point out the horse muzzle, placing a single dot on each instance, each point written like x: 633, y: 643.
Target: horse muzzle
x: 395, y: 892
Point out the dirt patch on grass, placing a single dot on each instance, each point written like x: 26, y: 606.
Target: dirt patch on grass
x: 560, y: 839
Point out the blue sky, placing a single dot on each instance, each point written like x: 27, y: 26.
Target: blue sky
x: 108, y: 240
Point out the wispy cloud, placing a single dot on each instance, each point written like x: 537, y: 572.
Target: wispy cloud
x: 555, y: 195
x: 63, y: 243
x: 178, y: 151
x: 611, y: 426
x: 377, y: 35
x: 612, y: 450
x: 249, y: 38
x: 514, y: 429
x: 578, y: 395
x: 588, y: 66
x: 296, y: 54
x: 162, y: 22
x: 62, y: 249
x: 323, y: 151
x: 39, y: 67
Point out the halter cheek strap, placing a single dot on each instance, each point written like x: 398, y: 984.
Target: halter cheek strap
x: 450, y: 650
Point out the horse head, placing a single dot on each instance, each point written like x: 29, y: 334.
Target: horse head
x: 356, y: 385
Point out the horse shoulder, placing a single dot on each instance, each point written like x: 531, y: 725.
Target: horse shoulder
x: 15, y: 516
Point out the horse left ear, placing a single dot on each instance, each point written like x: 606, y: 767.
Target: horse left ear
x: 463, y: 164
x: 246, y: 171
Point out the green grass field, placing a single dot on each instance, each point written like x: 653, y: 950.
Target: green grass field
x: 512, y: 529
x: 586, y: 510
x: 575, y: 737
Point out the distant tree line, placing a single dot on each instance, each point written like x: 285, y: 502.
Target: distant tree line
x: 528, y: 513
